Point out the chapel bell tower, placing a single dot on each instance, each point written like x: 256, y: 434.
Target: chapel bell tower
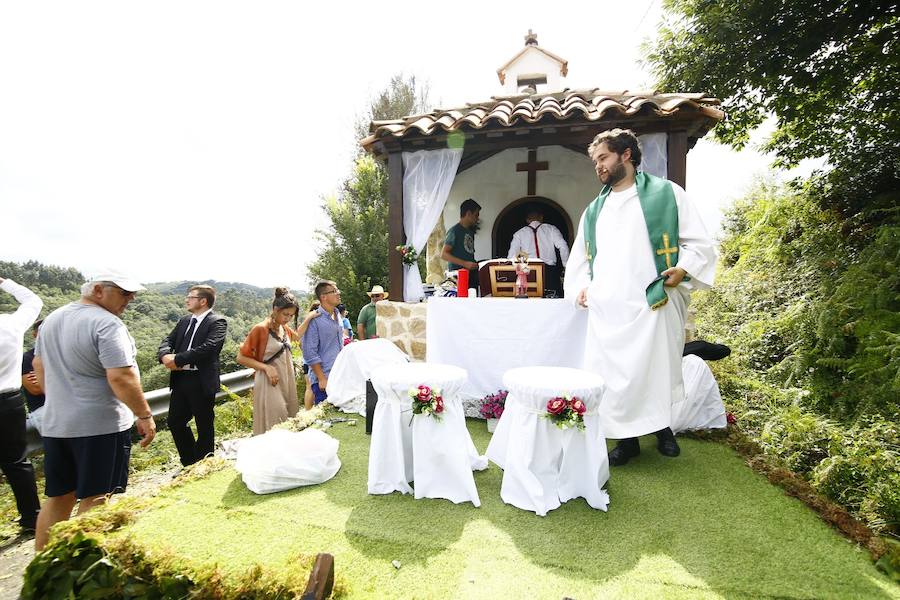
x: 533, y: 70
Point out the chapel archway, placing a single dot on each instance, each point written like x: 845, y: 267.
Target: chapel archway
x: 512, y: 218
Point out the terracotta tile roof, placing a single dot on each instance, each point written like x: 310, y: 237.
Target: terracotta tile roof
x: 571, y: 106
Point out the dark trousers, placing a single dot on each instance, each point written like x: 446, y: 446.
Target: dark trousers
x: 188, y: 400
x: 14, y: 461
x: 552, y: 281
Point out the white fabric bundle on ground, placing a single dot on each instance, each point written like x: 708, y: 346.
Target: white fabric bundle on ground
x: 281, y: 460
x: 702, y: 406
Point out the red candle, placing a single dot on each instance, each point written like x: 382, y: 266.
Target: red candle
x: 462, y: 283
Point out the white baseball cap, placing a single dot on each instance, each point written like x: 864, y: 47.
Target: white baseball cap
x: 123, y: 281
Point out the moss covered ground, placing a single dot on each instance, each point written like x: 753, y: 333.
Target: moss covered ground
x: 699, y: 526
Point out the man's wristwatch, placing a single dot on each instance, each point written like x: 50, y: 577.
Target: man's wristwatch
x: 150, y: 416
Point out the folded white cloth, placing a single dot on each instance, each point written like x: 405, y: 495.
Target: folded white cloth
x: 353, y: 366
x: 702, y: 407
x: 280, y: 460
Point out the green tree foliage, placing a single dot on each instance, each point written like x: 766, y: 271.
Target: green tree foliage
x: 813, y: 323
x: 399, y: 99
x: 829, y: 70
x: 354, y: 248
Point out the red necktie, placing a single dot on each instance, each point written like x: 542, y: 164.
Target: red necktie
x: 537, y: 249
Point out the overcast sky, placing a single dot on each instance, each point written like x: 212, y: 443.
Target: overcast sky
x: 195, y: 140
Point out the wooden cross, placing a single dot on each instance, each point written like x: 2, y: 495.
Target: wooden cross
x: 532, y: 166
x: 668, y: 251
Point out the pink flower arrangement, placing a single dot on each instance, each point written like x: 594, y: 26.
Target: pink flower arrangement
x: 566, y: 412
x: 408, y: 254
x: 492, y: 405
x: 427, y: 401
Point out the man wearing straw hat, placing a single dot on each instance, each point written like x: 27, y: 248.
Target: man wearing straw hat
x: 365, y: 323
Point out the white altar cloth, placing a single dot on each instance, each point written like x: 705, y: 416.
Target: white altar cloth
x: 438, y: 455
x: 353, y: 366
x: 488, y: 336
x: 543, y: 465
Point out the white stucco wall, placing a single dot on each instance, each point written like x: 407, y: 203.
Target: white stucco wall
x: 495, y: 183
x: 534, y: 61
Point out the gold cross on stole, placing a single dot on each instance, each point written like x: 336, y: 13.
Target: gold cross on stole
x: 667, y: 250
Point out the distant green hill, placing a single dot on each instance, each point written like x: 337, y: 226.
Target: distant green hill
x: 181, y: 287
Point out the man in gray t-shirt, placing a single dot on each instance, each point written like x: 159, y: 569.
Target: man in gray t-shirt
x: 85, y: 361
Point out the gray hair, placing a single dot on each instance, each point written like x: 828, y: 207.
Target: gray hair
x: 87, y: 288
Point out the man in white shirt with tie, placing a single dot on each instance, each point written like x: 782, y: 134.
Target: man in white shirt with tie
x: 542, y: 240
x: 191, y: 353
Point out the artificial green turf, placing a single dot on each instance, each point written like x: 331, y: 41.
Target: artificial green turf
x: 699, y: 526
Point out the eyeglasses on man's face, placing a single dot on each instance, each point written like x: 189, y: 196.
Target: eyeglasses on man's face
x: 192, y: 297
x: 124, y: 293
x: 332, y: 292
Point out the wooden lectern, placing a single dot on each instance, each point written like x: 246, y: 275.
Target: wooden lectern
x: 498, y: 278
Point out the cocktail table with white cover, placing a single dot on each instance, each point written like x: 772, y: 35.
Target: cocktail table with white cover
x: 438, y: 455
x: 543, y: 465
x: 353, y: 366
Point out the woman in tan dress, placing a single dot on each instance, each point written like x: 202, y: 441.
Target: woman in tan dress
x: 268, y: 350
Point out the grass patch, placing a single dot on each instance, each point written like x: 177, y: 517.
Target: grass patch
x: 234, y: 417
x: 699, y: 526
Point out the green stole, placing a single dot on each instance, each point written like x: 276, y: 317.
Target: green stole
x: 661, y: 216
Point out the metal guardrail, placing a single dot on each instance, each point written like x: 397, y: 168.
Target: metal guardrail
x: 236, y: 382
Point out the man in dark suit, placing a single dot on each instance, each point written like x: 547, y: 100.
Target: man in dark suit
x: 191, y: 352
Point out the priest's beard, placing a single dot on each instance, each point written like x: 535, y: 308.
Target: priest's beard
x: 616, y: 174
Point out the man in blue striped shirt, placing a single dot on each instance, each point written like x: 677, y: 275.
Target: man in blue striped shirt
x: 323, y: 338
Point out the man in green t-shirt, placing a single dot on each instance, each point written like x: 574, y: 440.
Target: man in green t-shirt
x: 459, y: 245
x: 365, y: 322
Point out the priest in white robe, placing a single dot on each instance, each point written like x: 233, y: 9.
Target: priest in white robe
x: 634, y: 271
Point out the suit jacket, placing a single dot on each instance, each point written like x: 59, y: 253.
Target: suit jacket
x: 208, y: 341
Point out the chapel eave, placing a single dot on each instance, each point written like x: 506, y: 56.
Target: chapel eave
x: 538, y: 119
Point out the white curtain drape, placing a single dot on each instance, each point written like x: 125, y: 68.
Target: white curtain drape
x: 427, y: 178
x: 655, y: 155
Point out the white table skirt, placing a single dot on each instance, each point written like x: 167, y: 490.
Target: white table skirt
x: 488, y: 336
x: 438, y: 455
x: 543, y: 465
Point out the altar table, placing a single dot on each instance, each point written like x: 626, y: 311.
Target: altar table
x: 488, y: 336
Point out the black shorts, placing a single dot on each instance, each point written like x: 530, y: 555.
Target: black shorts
x: 89, y: 466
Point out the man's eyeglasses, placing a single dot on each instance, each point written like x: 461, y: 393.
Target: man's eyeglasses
x: 331, y: 292
x: 125, y: 293
x: 192, y: 297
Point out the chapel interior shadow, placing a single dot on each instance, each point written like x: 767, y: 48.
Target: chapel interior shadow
x: 512, y: 218
x: 726, y: 545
